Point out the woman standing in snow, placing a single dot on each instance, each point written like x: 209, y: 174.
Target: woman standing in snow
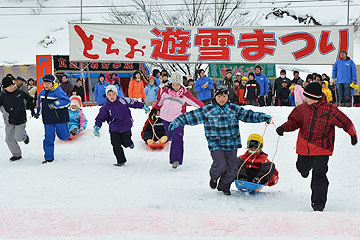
x: 172, y: 102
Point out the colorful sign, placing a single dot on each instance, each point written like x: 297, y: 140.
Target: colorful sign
x: 243, y: 69
x: 275, y: 45
x: 44, y: 65
x: 63, y: 63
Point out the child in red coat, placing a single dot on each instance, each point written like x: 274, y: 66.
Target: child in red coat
x: 316, y: 119
x: 258, y: 168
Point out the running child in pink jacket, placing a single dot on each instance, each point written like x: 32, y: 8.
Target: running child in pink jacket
x: 172, y: 103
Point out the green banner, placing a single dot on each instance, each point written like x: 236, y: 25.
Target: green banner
x: 244, y: 69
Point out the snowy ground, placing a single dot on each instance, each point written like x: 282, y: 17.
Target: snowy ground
x: 82, y: 196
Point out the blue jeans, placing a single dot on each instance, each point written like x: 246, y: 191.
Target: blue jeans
x: 61, y: 130
x: 344, y: 92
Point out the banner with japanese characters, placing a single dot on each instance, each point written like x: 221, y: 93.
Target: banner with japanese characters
x: 280, y: 45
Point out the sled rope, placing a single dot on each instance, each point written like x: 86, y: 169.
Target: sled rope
x: 153, y: 129
x: 272, y: 160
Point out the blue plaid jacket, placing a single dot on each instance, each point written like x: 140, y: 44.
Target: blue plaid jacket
x: 221, y: 124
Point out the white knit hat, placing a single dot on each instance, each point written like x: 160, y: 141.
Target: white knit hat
x: 111, y: 88
x: 176, y: 77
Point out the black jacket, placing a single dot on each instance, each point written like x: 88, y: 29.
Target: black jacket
x: 229, y: 83
x: 79, y: 91
x: 14, y: 105
x: 284, y: 96
x: 252, y: 90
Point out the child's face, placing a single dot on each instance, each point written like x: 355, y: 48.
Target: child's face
x: 236, y: 84
x: 111, y: 96
x: 310, y: 101
x: 190, y: 83
x: 73, y: 93
x: 251, y: 77
x: 164, y: 78
x: 244, y: 82
x: 176, y: 86
x: 151, y: 81
x: 222, y: 99
x: 284, y: 85
x: 137, y: 76
x: 101, y: 79
x: 48, y: 85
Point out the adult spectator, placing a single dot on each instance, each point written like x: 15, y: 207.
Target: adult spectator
x: 297, y: 80
x: 32, y: 89
x: 277, y: 86
x: 228, y: 82
x: 20, y: 84
x: 191, y: 87
x: 66, y: 86
x: 203, y: 86
x: 263, y: 82
x: 79, y: 89
x: 344, y: 73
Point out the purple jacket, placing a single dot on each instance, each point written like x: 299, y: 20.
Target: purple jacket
x: 117, y: 114
x: 67, y: 87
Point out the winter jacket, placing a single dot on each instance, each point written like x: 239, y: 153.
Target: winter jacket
x: 67, y: 87
x: 277, y: 84
x: 256, y: 161
x: 193, y: 91
x: 136, y: 89
x: 100, y: 93
x: 79, y: 91
x: 317, y: 127
x: 263, y: 82
x: 284, y: 96
x: 117, y: 114
x: 221, y: 124
x: 14, y: 106
x: 77, y: 118
x: 229, y: 83
x: 204, y: 93
x: 327, y: 91
x: 150, y: 127
x: 344, y: 71
x: 151, y: 92
x: 252, y: 90
x: 32, y: 91
x: 299, y: 94
x: 292, y: 99
x: 157, y: 81
x: 23, y: 88
x: 53, y: 105
x: 173, y: 103
x: 240, y: 94
x: 298, y: 81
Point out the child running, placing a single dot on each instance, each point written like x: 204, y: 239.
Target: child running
x: 116, y: 113
x: 221, y: 124
x: 78, y: 121
x: 172, y: 102
x: 316, y: 120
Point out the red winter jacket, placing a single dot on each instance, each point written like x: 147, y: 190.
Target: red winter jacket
x: 256, y: 160
x: 317, y: 127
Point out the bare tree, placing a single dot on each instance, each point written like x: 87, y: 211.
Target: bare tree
x: 189, y: 13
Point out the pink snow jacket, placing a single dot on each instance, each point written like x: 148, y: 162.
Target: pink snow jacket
x: 299, y: 94
x: 173, y: 104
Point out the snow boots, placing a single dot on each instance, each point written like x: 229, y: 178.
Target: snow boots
x: 15, y: 158
x: 213, y: 183
x: 175, y: 164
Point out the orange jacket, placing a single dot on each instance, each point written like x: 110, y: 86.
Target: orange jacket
x: 136, y: 89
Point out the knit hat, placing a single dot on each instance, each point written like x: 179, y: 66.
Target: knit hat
x: 111, y: 88
x: 313, y: 91
x: 101, y: 75
x: 228, y: 71
x: 244, y: 78
x: 177, y: 78
x: 48, y: 78
x: 75, y: 101
x: 219, y: 89
x: 251, y: 74
x: 20, y: 78
x: 7, y: 81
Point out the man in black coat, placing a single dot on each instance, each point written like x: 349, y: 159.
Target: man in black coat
x: 12, y: 106
x: 79, y: 90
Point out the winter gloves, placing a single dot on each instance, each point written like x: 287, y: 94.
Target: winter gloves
x: 280, y: 131
x: 267, y: 119
x: 354, y: 140
x: 146, y: 108
x: 96, y: 131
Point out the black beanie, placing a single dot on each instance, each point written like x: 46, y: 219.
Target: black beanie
x: 252, y: 74
x: 313, y: 91
x: 7, y: 81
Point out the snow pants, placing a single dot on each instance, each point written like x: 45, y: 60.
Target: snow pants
x: 267, y: 170
x: 61, y: 130
x: 225, y: 166
x: 117, y: 141
x: 319, y: 181
x: 14, y: 134
x: 177, y: 142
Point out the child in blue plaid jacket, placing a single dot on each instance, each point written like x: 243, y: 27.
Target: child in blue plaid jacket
x: 221, y: 123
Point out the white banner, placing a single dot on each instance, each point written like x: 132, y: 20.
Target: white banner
x: 281, y: 45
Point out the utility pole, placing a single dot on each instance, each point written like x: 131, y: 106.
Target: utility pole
x: 81, y: 11
x: 348, y: 13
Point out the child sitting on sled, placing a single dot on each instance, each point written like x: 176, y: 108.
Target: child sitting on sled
x: 77, y: 120
x: 221, y: 123
x: 258, y: 168
x: 153, y: 131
